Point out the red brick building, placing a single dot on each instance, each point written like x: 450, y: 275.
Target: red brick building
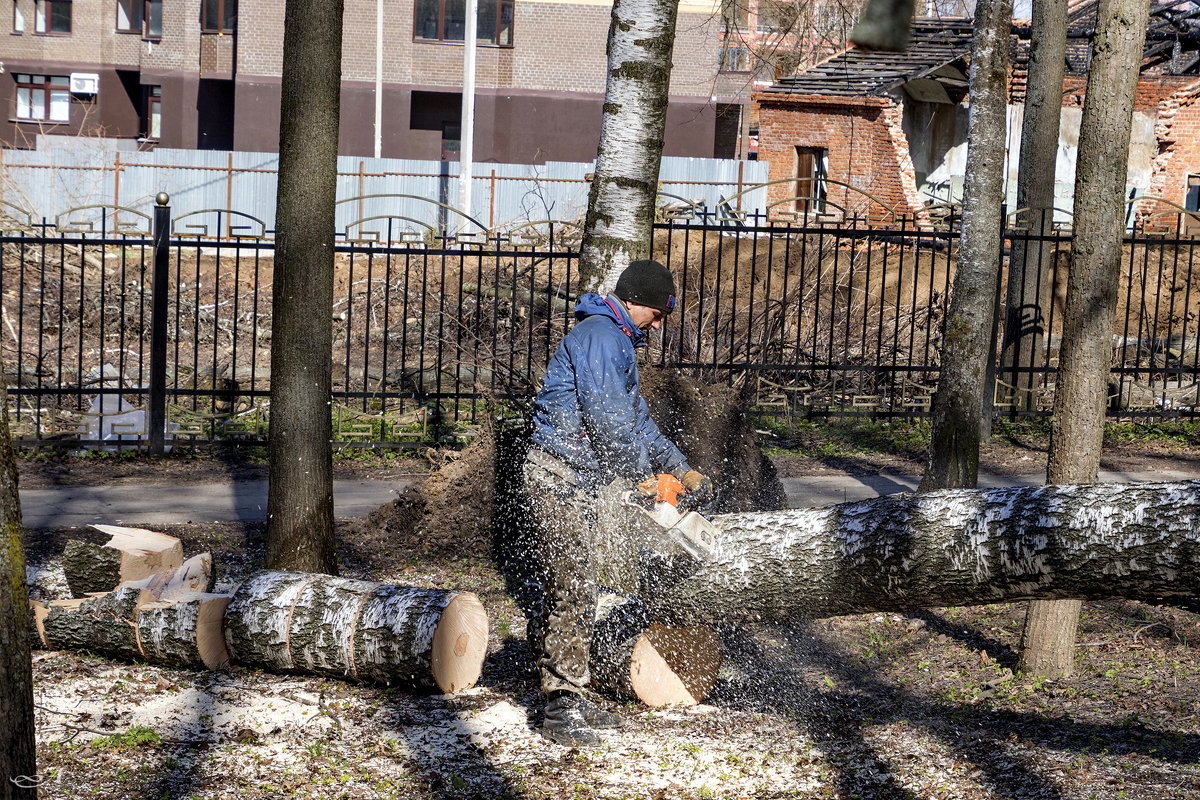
x: 206, y: 74
x: 885, y: 133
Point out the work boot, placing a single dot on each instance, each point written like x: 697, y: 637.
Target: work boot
x: 597, y: 717
x: 565, y: 722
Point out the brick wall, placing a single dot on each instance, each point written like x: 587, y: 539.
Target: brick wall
x: 866, y: 146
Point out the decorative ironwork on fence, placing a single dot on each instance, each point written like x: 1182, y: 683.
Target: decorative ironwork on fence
x: 127, y: 329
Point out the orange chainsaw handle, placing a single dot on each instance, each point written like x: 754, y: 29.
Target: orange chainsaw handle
x: 669, y: 489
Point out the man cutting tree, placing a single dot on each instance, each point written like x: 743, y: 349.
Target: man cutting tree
x: 591, y: 426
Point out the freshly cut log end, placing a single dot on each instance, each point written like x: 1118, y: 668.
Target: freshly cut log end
x: 37, y: 616
x: 194, y: 575
x: 129, y: 554
x: 674, y: 666
x: 186, y: 631
x: 633, y: 657
x: 459, y: 644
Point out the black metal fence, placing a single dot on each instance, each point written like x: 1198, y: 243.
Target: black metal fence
x: 128, y: 330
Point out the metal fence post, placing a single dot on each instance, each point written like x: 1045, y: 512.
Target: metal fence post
x: 158, y: 324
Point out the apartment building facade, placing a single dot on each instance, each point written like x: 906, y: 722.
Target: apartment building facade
x: 206, y: 74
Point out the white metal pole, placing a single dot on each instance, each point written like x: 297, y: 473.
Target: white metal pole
x: 378, y: 78
x: 467, y: 128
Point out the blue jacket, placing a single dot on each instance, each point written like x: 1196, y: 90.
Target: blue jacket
x: 590, y: 412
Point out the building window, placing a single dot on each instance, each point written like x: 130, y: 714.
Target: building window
x: 18, y: 17
x: 218, y: 16
x: 52, y: 16
x: 140, y: 16
x: 152, y: 112
x: 445, y: 21
x: 733, y: 59
x: 42, y: 98
x: 812, y: 169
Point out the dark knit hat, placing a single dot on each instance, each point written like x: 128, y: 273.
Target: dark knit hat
x: 647, y: 283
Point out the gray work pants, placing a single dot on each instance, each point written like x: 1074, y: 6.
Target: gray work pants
x: 561, y: 546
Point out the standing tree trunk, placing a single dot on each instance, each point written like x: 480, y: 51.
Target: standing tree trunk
x: 954, y: 448
x: 620, y: 212
x: 300, y: 498
x: 1081, y: 393
x: 17, y: 752
x: 1030, y: 272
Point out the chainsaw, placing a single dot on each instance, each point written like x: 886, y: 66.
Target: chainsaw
x: 676, y: 539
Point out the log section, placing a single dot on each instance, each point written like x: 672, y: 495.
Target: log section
x: 948, y: 548
x: 301, y: 622
x: 634, y: 657
x: 95, y: 564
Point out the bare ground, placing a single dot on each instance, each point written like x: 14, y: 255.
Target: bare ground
x: 877, y: 706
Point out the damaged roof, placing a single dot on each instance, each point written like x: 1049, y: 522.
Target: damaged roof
x: 934, y: 67
x: 935, y: 43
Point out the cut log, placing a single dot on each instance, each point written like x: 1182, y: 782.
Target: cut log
x: 129, y: 554
x: 129, y: 624
x: 193, y: 576
x: 104, y: 624
x: 633, y: 657
x: 947, y: 548
x: 187, y: 630
x: 301, y: 622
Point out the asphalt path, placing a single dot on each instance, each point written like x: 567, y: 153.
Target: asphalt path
x: 246, y: 501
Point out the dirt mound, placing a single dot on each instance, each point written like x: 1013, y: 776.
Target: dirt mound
x: 450, y: 511
x: 708, y: 423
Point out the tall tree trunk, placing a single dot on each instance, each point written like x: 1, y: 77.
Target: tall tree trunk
x: 621, y: 202
x: 958, y: 404
x: 1081, y: 392
x: 1030, y: 271
x: 300, y: 498
x: 18, y: 766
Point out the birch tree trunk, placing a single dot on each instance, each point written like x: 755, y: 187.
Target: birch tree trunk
x: 1081, y: 392
x: 958, y: 404
x: 1030, y: 270
x: 947, y: 548
x: 300, y: 494
x: 17, y: 752
x: 358, y: 630
x: 621, y: 202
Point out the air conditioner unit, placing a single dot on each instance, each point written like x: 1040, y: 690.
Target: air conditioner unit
x: 85, y: 83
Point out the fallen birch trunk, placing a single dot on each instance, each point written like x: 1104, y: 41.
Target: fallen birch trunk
x: 947, y: 548
x: 309, y: 623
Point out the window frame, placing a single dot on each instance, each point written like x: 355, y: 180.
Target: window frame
x: 221, y: 29
x: 43, y: 15
x: 47, y: 88
x: 151, y: 106
x: 18, y: 18
x: 142, y: 26
x: 500, y: 6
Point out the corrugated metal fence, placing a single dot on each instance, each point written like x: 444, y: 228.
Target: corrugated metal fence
x: 45, y: 181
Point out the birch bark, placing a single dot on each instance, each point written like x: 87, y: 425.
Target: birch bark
x: 621, y: 202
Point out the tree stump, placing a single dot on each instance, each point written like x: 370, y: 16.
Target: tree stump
x: 302, y: 622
